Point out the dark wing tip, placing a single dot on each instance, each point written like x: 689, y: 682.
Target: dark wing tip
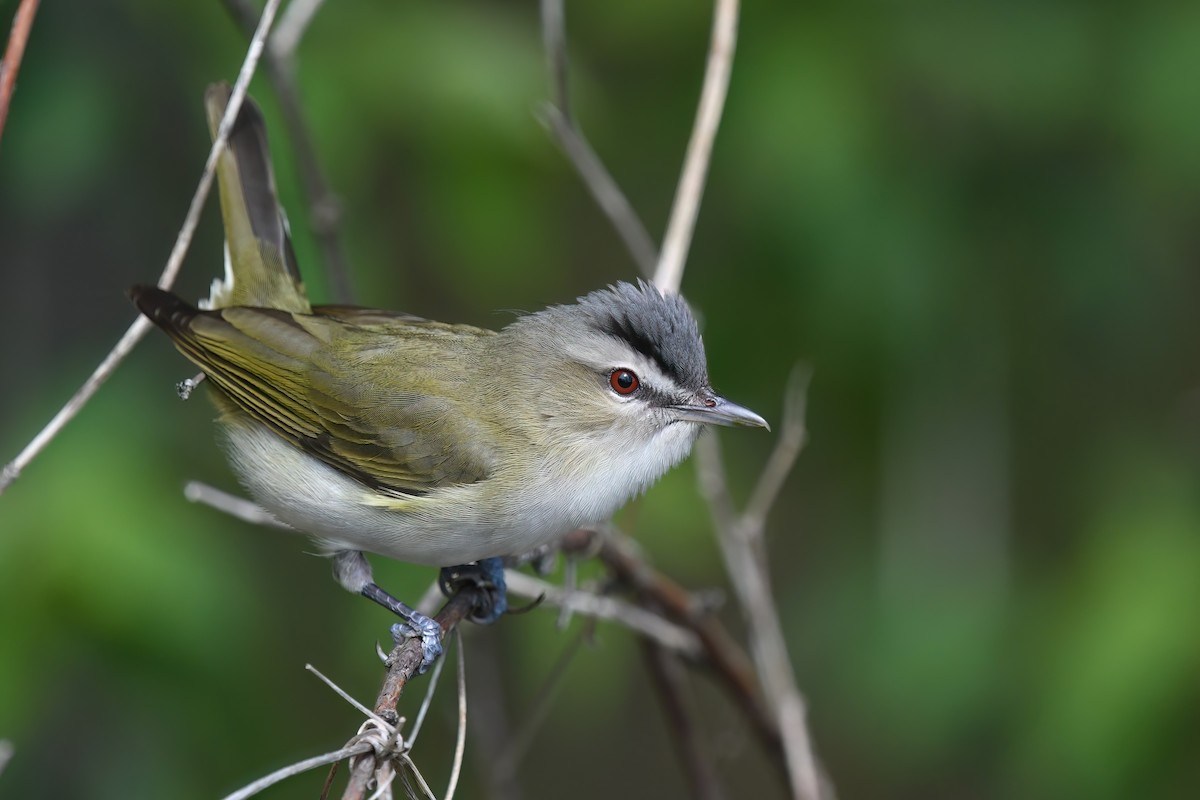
x: 161, y: 307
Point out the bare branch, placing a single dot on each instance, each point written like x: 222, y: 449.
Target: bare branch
x: 234, y: 506
x: 13, y: 53
x: 639, y: 620
x: 293, y: 23
x: 426, y: 701
x: 138, y: 329
x: 566, y: 133
x: 678, y: 239
x: 292, y: 770
x: 554, y: 42
x: 461, y: 742
x: 722, y: 654
x: 406, y: 656
x: 792, y: 437
x: 518, y: 746
x: 669, y: 679
x: 324, y: 209
x: 742, y: 545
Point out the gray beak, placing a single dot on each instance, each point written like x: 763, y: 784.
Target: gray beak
x: 712, y: 409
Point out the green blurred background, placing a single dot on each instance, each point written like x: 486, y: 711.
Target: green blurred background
x: 979, y: 222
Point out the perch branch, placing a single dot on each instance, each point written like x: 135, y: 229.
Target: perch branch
x: 174, y: 261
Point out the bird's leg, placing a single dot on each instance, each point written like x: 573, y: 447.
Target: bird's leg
x: 487, y: 576
x: 353, y: 572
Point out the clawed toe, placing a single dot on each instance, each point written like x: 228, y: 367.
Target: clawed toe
x: 430, y: 634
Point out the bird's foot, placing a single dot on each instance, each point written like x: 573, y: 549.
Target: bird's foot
x: 431, y: 637
x: 487, y: 577
x: 413, y: 624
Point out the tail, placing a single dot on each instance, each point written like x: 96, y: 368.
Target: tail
x: 260, y: 266
x: 163, y: 308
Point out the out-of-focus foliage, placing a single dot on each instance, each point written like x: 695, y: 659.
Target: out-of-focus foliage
x: 978, y: 221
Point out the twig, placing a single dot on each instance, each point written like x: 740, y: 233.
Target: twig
x: 13, y: 53
x: 668, y: 675
x: 6, y: 753
x: 518, y: 746
x: 566, y: 133
x: 460, y: 743
x: 292, y: 770
x: 403, y: 663
x: 174, y: 261
x: 342, y: 693
x: 742, y: 546
x: 426, y: 701
x: 639, y: 620
x: 406, y: 657
x: 292, y: 25
x: 324, y: 210
x: 682, y: 223
x: 234, y: 506
x: 721, y: 653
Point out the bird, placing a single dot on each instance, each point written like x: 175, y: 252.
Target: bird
x: 438, y: 444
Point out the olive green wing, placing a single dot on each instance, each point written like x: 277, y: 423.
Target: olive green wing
x: 401, y: 436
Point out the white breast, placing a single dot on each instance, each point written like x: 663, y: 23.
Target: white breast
x: 449, y: 526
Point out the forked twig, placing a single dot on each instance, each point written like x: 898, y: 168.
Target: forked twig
x: 741, y: 537
x: 174, y: 261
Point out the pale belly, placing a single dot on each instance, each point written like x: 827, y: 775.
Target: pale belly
x: 450, y: 526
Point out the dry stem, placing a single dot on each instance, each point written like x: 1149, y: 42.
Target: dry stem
x: 13, y: 53
x: 138, y: 329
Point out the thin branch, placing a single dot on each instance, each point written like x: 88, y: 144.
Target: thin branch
x: 13, y: 53
x: 460, y: 744
x: 742, y: 546
x: 6, y: 753
x: 566, y: 133
x: 342, y: 693
x: 292, y: 770
x: 639, y: 620
x: 722, y: 653
x: 141, y: 325
x: 403, y: 663
x: 293, y: 24
x: 678, y: 239
x: 426, y: 701
x: 669, y: 678
x: 554, y: 42
x: 230, y: 504
x: 324, y: 209
x: 792, y: 437
x: 518, y: 745
x: 406, y: 656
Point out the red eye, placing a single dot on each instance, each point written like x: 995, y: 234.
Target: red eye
x: 623, y: 381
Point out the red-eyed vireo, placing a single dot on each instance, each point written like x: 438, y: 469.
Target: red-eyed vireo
x: 381, y: 432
